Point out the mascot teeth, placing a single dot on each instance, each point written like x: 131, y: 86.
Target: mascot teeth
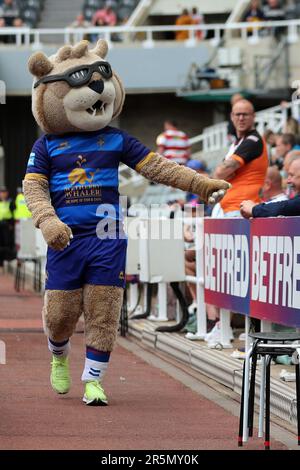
x: 98, y: 106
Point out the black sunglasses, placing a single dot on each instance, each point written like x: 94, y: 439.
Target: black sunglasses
x: 80, y: 75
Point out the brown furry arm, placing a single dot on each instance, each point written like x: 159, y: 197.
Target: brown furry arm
x: 160, y: 170
x: 36, y: 191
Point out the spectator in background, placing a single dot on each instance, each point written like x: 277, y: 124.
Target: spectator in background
x: 200, y: 167
x: 190, y: 270
x: 80, y: 22
x: 292, y: 10
x: 245, y: 164
x: 2, y: 25
x: 9, y: 11
x: 291, y: 126
x: 7, y: 248
x: 6, y: 206
x: 274, y: 12
x: 272, y: 188
x: 100, y: 23
x: 284, y: 144
x: 21, y: 210
x: 253, y: 15
x: 18, y: 23
x: 270, y: 138
x: 184, y: 19
x: 193, y: 199
x: 173, y: 143
x: 197, y: 18
x: 291, y: 207
x: 292, y: 155
x: 106, y: 16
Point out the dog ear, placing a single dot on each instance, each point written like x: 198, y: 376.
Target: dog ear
x: 39, y: 65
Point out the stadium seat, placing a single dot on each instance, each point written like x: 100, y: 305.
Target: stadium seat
x: 129, y: 3
x: 124, y: 13
x: 89, y: 13
x: 36, y: 4
x: 98, y: 4
x: 30, y: 16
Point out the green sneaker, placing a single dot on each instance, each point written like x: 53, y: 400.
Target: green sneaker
x: 94, y: 394
x: 60, y: 375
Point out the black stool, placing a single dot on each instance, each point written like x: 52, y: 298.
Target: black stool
x: 268, y: 345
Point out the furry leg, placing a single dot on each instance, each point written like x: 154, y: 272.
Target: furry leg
x: 61, y: 312
x: 102, y: 308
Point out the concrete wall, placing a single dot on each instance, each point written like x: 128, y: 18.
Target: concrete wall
x: 266, y: 47
x: 162, y: 68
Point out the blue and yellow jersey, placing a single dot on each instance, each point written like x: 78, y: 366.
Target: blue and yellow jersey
x: 82, y: 171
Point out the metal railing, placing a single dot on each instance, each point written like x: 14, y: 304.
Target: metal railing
x: 26, y: 35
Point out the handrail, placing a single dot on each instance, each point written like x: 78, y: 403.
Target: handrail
x: 141, y: 8
x: 107, y: 31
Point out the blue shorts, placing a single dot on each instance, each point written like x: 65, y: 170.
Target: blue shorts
x: 88, y: 260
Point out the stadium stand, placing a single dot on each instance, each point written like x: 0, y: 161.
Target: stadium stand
x: 122, y: 8
x: 30, y: 11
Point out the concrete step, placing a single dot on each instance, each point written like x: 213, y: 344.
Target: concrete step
x: 61, y: 13
x: 218, y: 365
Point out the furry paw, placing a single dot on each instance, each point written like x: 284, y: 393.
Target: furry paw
x: 217, y: 190
x: 211, y: 190
x: 216, y: 196
x: 56, y: 234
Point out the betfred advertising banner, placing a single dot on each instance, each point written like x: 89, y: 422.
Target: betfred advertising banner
x: 227, y: 263
x: 253, y: 267
x: 275, y: 270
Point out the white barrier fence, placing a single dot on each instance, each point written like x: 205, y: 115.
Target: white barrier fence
x: 131, y: 34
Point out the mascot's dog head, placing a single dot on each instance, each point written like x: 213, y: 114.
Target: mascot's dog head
x: 75, y: 90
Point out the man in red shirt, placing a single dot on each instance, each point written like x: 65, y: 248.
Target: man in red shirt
x: 173, y: 143
x: 106, y: 15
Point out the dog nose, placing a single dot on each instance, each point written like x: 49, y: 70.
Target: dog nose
x: 97, y: 86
